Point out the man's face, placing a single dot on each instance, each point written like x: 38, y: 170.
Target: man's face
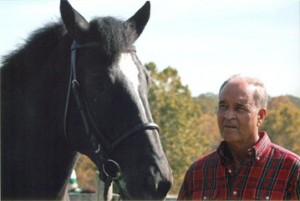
x: 237, y: 114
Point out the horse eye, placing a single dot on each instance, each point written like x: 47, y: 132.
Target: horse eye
x: 148, y: 79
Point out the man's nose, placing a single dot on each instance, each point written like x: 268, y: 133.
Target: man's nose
x: 230, y: 114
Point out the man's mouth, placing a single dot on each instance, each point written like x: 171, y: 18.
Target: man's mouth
x: 229, y: 126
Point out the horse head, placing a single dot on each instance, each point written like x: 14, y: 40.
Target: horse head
x: 107, y: 102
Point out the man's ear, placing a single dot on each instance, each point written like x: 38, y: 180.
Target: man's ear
x: 262, y: 113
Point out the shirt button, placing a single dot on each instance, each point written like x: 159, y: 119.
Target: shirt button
x: 204, y: 198
x: 267, y: 198
x: 234, y: 193
x: 230, y: 171
x: 257, y: 158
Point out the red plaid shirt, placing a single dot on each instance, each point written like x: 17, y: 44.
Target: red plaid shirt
x: 269, y: 173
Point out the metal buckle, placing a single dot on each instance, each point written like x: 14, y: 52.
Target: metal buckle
x: 111, y: 169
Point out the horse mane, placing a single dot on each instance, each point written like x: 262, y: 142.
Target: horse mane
x: 42, y: 42
x: 37, y: 47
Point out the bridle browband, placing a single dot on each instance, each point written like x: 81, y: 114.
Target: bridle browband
x: 99, y: 143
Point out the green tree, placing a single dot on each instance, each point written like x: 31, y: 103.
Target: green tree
x: 186, y: 133
x: 86, y: 172
x: 283, y: 122
x: 208, y: 103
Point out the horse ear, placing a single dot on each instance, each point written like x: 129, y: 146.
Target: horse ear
x: 140, y: 18
x: 75, y: 23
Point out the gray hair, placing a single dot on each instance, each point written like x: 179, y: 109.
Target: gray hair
x: 260, y: 94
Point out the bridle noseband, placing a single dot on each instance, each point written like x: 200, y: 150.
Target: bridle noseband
x: 102, y: 147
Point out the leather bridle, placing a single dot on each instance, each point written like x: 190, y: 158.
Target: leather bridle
x: 101, y: 146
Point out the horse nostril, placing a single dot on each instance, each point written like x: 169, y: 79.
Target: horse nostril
x: 151, y: 182
x: 159, y: 186
x: 163, y: 188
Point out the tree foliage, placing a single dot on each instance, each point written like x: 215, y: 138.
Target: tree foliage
x: 283, y: 122
x: 188, y: 126
x: 186, y: 132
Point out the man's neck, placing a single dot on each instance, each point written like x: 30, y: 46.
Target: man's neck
x: 239, y: 151
x: 239, y: 155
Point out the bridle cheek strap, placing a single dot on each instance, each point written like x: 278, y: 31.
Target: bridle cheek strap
x: 131, y: 132
x: 105, y: 148
x: 86, y: 118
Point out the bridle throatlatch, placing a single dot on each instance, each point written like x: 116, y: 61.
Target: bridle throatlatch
x: 101, y: 147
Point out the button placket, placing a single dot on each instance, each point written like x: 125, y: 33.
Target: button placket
x: 234, y: 194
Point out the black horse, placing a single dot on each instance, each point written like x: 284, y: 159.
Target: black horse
x: 79, y: 87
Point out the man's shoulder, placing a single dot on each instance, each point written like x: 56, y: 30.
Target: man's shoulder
x: 207, y: 159
x: 285, y: 154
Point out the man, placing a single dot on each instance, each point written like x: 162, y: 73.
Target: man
x: 246, y: 165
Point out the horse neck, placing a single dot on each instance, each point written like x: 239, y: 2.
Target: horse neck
x: 32, y: 127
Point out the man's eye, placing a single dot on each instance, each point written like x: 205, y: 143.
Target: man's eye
x: 222, y: 107
x: 241, y: 109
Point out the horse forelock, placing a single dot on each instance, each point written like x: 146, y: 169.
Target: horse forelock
x: 114, y: 35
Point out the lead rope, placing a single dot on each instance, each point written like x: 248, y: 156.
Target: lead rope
x: 107, y: 184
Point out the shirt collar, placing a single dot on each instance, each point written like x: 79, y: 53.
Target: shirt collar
x: 262, y: 145
x: 256, y: 152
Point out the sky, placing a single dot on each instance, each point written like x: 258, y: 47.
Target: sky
x: 207, y: 41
